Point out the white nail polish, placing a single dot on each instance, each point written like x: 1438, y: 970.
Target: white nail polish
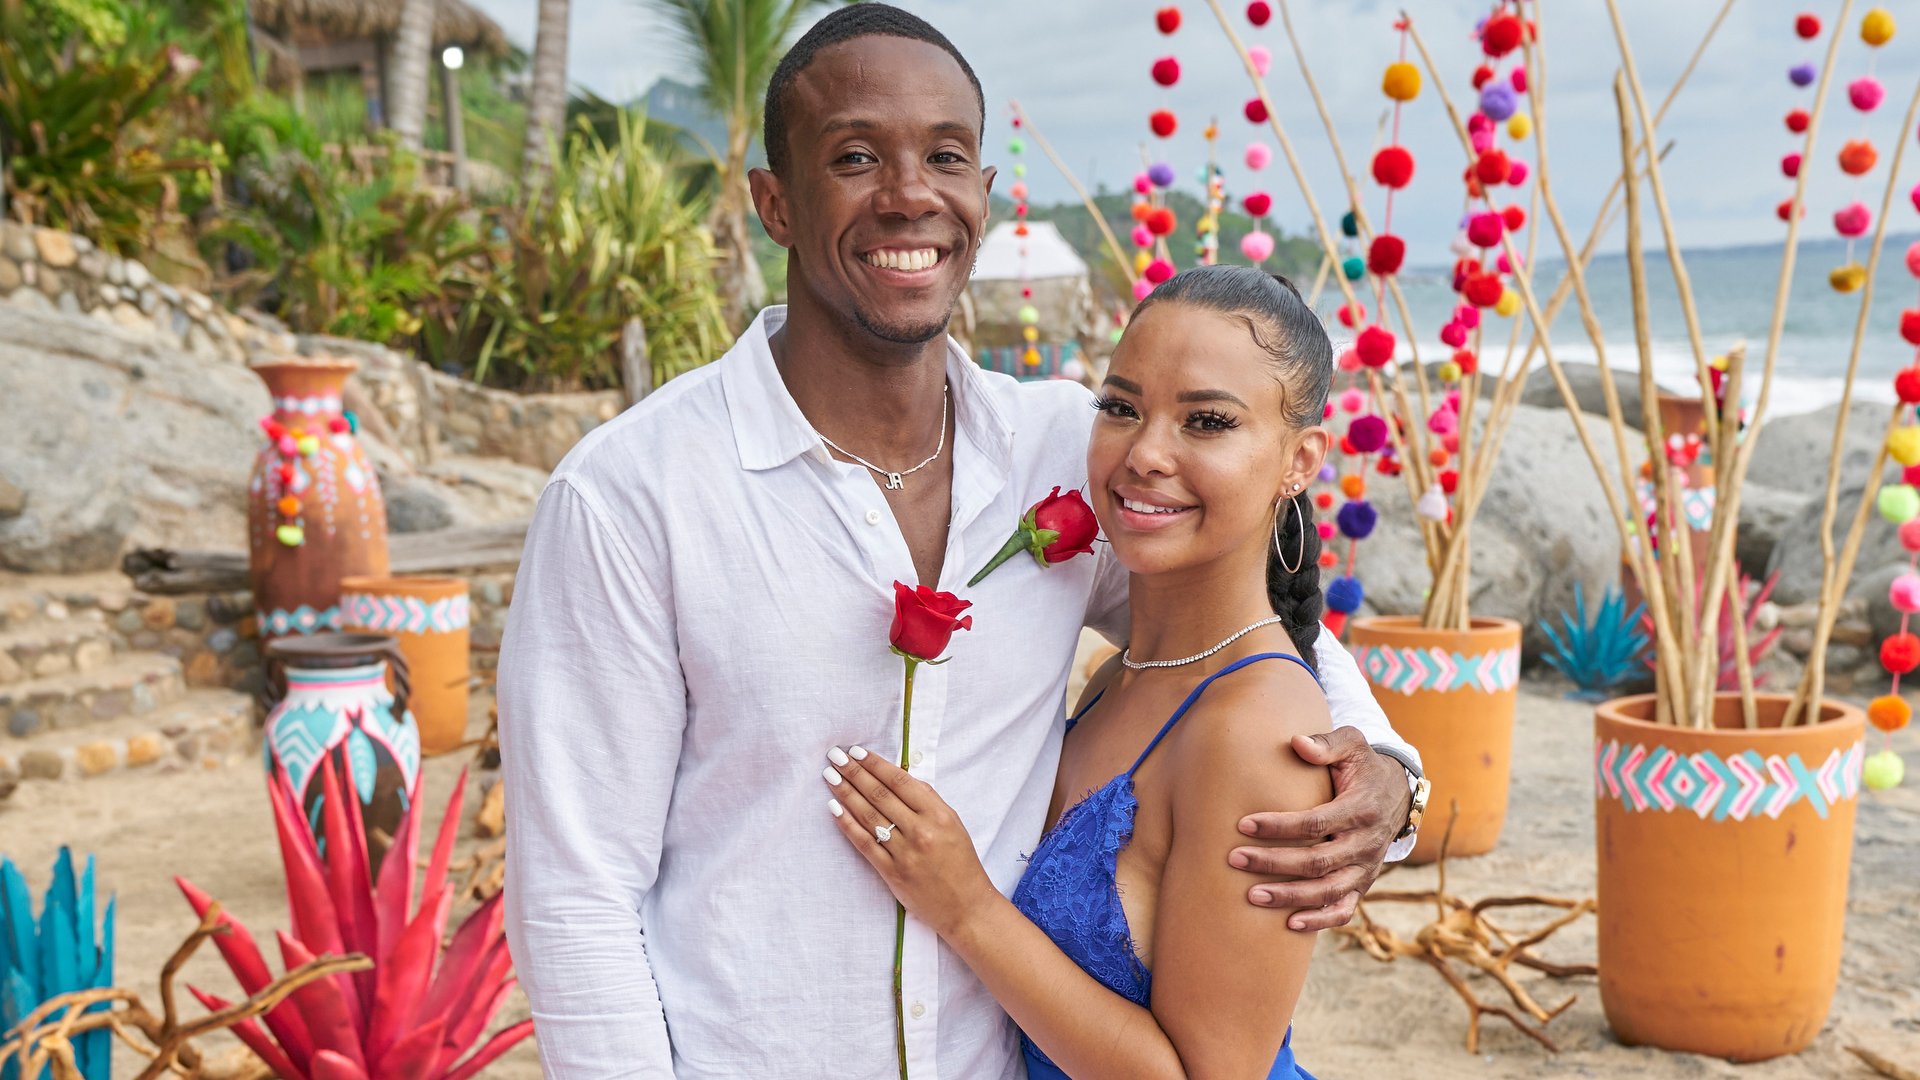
x: 859, y: 753
x: 834, y: 806
x: 832, y: 777
x: 837, y: 756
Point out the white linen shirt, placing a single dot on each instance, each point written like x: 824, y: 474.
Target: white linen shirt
x: 701, y: 611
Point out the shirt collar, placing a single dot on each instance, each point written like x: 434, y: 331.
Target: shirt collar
x: 769, y: 429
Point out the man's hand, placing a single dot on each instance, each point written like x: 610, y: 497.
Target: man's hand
x: 1370, y: 805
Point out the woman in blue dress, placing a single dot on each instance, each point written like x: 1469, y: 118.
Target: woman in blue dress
x: 1129, y: 949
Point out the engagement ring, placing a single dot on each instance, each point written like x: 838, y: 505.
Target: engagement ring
x: 883, y: 833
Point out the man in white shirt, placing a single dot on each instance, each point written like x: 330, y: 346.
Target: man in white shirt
x: 703, y: 610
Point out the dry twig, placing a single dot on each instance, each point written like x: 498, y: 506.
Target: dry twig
x: 1883, y: 1066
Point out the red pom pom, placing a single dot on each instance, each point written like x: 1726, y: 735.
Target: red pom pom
x: 1162, y: 122
x: 1393, y: 167
x: 1481, y: 76
x: 1514, y: 217
x: 1807, y: 25
x: 1900, y: 653
x: 1166, y: 71
x: 1388, y: 467
x: 1501, y: 35
x: 1167, y: 19
x: 1257, y: 204
x: 1469, y: 363
x: 1257, y: 111
x: 338, y: 425
x: 1790, y: 165
x: 1492, y: 167
x: 1785, y: 209
x: 1449, y: 479
x: 1162, y: 222
x: 1259, y: 12
x: 1906, y: 386
x: 1797, y: 121
x: 1910, y: 326
x: 1346, y: 445
x: 1328, y: 560
x: 1386, y: 254
x: 1324, y: 500
x: 1351, y: 314
x: 1483, y: 290
x: 1375, y: 346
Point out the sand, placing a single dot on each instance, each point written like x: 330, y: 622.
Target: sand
x: 1360, y: 1018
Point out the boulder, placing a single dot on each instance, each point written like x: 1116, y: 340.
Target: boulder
x: 1797, y: 555
x: 1793, y: 451
x: 1540, y: 392
x: 1542, y: 528
x: 1766, y: 513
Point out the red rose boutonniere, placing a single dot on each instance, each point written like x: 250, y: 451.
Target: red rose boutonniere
x: 1054, y: 530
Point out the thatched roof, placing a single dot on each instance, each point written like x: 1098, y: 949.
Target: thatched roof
x: 457, y: 22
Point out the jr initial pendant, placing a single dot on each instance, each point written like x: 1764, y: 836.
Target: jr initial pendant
x: 894, y: 483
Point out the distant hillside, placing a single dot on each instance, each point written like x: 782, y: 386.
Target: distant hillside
x: 682, y: 106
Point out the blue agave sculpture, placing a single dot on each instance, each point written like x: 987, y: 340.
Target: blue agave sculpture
x: 1598, y: 654
x: 58, y: 954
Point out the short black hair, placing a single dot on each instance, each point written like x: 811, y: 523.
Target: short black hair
x: 845, y: 24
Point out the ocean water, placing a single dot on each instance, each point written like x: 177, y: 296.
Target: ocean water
x: 1733, y: 295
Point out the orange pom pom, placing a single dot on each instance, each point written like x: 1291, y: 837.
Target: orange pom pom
x: 1329, y: 559
x: 1889, y: 712
x: 1352, y: 486
x: 1438, y: 457
x: 288, y: 506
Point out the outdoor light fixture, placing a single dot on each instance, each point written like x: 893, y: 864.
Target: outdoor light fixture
x: 453, y: 57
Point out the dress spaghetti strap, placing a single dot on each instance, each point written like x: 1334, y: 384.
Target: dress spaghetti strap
x: 1200, y: 689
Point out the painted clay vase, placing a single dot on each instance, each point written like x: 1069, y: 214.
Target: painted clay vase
x: 314, y: 512
x: 428, y: 616
x: 1723, y: 856
x: 1451, y: 694
x: 1680, y: 415
x: 343, y: 697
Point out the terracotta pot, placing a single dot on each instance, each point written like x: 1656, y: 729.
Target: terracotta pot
x: 314, y: 512
x: 428, y: 616
x: 343, y: 696
x: 1723, y: 874
x: 1451, y: 694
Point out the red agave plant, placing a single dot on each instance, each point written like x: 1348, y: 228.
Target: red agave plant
x: 401, y: 1018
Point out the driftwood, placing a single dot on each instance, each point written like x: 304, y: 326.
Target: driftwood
x: 44, y: 1040
x: 1462, y: 933
x: 167, y: 572
x: 1883, y: 1066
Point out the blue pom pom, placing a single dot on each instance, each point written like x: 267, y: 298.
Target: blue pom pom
x: 1161, y: 174
x: 1349, y: 225
x: 1344, y: 595
x: 1356, y: 519
x: 1498, y: 101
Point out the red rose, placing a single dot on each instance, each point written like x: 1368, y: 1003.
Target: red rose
x: 1071, y: 521
x: 924, y: 621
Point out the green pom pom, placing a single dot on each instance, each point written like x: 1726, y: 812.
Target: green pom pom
x: 1016, y: 145
x: 1884, y: 770
x: 1899, y: 503
x: 1019, y: 168
x: 1354, y: 267
x: 1031, y: 315
x: 290, y: 535
x: 1349, y: 225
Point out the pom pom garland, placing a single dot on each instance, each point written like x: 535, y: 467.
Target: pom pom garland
x: 1883, y: 770
x: 1865, y: 93
x: 1386, y: 253
x: 1350, y: 315
x: 1852, y: 219
x: 1498, y: 101
x: 1258, y: 12
x: 1166, y: 71
x: 1350, y: 226
x: 1876, y: 28
x: 1345, y: 595
x: 1161, y: 174
x: 1519, y: 126
x: 1393, y: 166
x: 1807, y: 25
x: 1161, y: 221
x: 1906, y: 385
x: 1258, y: 156
x: 1257, y: 204
x: 1261, y: 56
x: 1899, y: 654
x: 1501, y: 34
x: 1375, y: 346
x: 1910, y: 536
x: 1368, y: 433
x: 1256, y: 111
x: 1889, y: 712
x: 1904, y: 593
x: 1357, y: 519
x: 1158, y: 271
x: 1903, y: 446
x: 1167, y: 19
x: 1898, y: 503
x: 1801, y: 74
x: 1256, y: 246
x: 1857, y: 157
x: 1401, y: 81
x: 1492, y: 167
x: 1797, y: 121
x: 1163, y: 123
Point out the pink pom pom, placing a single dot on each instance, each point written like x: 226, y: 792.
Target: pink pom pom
x: 1261, y: 56
x: 1915, y: 196
x: 1142, y: 236
x: 1454, y: 335
x: 1517, y: 173
x: 1904, y: 593
x: 1256, y: 246
x: 1259, y: 155
x: 1504, y: 263
x: 1443, y: 422
x: 287, y: 446
x: 1479, y: 121
x: 1018, y: 191
x: 1326, y: 529
x: 1866, y: 93
x: 1467, y: 315
x: 1450, y: 442
x: 1141, y: 288
x: 1326, y: 411
x: 1353, y: 400
x: 1913, y: 259
x: 1852, y: 219
x: 1910, y: 535
x: 1142, y: 184
x: 1485, y: 229
x: 1482, y: 140
x: 1519, y: 80
x: 1348, y: 360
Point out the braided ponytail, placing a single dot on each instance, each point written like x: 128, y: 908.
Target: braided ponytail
x: 1291, y: 335
x: 1295, y: 594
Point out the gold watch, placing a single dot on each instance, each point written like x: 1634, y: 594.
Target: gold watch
x: 1422, y: 790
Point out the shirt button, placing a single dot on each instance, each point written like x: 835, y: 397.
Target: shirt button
x: 919, y: 1010
x: 917, y: 758
x: 873, y: 517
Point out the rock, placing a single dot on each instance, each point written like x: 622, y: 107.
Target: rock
x: 92, y: 656
x: 1871, y: 589
x: 68, y: 303
x: 10, y: 278
x: 94, y: 758
x: 55, y: 248
x: 114, y: 441
x: 415, y: 504
x: 9, y: 777
x: 94, y: 264
x: 145, y: 749
x: 1541, y: 393
x: 1765, y: 514
x: 1793, y: 451
x: 41, y: 765
x: 1542, y: 527
x: 12, y: 499
x: 30, y: 300
x: 117, y: 271
x: 16, y: 242
x: 1796, y: 554
x: 137, y: 275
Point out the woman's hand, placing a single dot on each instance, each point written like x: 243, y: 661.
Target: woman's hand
x: 927, y: 859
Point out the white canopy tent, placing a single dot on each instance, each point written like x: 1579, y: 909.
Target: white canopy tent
x: 1048, y: 254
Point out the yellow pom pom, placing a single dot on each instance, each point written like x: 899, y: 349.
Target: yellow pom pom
x: 1718, y: 363
x: 1031, y: 333
x: 1401, y: 82
x: 308, y: 445
x: 1031, y: 357
x: 1884, y: 770
x: 1876, y: 28
x: 1847, y: 278
x: 1508, y: 303
x: 290, y: 535
x: 1889, y: 712
x: 1519, y: 126
x: 1448, y: 371
x: 1903, y: 444
x: 1141, y: 259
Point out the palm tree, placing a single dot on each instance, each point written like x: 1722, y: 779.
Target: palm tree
x: 547, y: 96
x: 412, y: 62
x: 735, y: 45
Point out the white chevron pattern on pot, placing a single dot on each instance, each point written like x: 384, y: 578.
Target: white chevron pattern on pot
x: 387, y: 614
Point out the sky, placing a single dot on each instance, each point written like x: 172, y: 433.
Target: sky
x: 1080, y: 68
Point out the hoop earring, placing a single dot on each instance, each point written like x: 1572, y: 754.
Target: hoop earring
x: 1300, y: 556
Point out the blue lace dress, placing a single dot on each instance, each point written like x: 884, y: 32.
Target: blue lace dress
x: 1070, y: 891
